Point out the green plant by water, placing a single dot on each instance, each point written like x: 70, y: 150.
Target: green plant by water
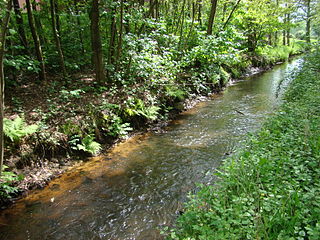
x: 271, y: 188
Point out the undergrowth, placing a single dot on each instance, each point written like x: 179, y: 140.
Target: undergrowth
x: 270, y: 189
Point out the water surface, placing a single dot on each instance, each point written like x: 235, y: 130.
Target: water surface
x: 141, y: 184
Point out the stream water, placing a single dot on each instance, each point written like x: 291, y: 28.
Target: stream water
x: 139, y: 187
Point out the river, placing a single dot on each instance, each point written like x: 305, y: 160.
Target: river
x: 140, y: 186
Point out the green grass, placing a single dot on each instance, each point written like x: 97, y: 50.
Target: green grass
x: 270, y: 189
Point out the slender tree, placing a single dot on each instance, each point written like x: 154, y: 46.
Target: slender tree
x: 37, y: 45
x: 231, y: 14
x: 19, y: 21
x: 3, y: 31
x: 97, y: 54
x: 56, y: 36
x: 212, y: 16
x: 308, y: 20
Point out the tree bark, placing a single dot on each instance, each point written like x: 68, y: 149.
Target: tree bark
x: 56, y: 36
x: 37, y: 23
x: 200, y: 13
x: 79, y: 27
x: 37, y: 45
x: 3, y: 31
x: 97, y: 54
x: 212, y: 16
x: 119, y: 49
x: 308, y: 22
x: 113, y: 33
x: 231, y: 13
x: 19, y: 21
x: 288, y: 29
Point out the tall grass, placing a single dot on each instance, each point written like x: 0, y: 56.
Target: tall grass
x: 270, y: 189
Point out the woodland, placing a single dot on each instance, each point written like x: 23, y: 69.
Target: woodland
x: 76, y: 76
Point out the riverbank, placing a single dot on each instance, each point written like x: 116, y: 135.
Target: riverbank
x: 75, y: 119
x: 270, y: 189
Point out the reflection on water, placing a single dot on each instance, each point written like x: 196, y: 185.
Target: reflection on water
x: 138, y: 187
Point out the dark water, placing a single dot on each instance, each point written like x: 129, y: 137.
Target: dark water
x: 139, y: 187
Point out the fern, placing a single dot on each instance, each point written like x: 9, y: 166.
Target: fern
x: 16, y: 129
x: 89, y: 145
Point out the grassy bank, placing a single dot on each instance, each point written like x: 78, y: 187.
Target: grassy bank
x: 270, y: 189
x: 74, y: 119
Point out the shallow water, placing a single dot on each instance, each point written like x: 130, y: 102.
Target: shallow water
x: 140, y: 186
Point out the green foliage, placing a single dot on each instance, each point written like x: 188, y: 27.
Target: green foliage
x: 67, y: 95
x: 22, y: 63
x: 86, y: 144
x: 117, y: 127
x: 135, y: 106
x: 270, y: 189
x: 271, y: 55
x: 16, y: 129
x: 6, y: 180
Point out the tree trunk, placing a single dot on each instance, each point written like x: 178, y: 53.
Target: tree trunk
x: 231, y: 13
x: 113, y: 33
x: 212, y: 15
x: 19, y: 21
x: 119, y: 49
x: 37, y: 45
x: 182, y: 23
x: 308, y: 23
x: 199, y: 13
x: 97, y: 54
x: 38, y: 24
x: 288, y: 29
x: 3, y: 31
x: 79, y: 27
x: 56, y: 36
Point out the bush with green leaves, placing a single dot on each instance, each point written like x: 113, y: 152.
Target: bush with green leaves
x: 17, y: 129
x: 271, y: 188
x: 137, y: 107
x: 7, y: 178
x: 86, y: 144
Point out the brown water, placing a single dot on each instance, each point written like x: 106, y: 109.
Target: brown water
x: 139, y: 187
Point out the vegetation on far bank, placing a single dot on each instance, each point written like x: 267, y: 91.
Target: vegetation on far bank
x: 82, y: 74
x: 271, y: 188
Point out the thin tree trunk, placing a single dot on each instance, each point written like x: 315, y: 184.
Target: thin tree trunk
x: 3, y: 31
x: 56, y: 13
x: 288, y: 29
x: 38, y: 24
x: 212, y: 15
x: 182, y: 23
x: 113, y: 33
x: 199, y: 13
x: 79, y: 27
x: 308, y: 23
x: 37, y: 45
x: 157, y: 10
x: 56, y: 36
x: 19, y: 21
x: 97, y: 54
x: 231, y: 13
x: 119, y: 49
